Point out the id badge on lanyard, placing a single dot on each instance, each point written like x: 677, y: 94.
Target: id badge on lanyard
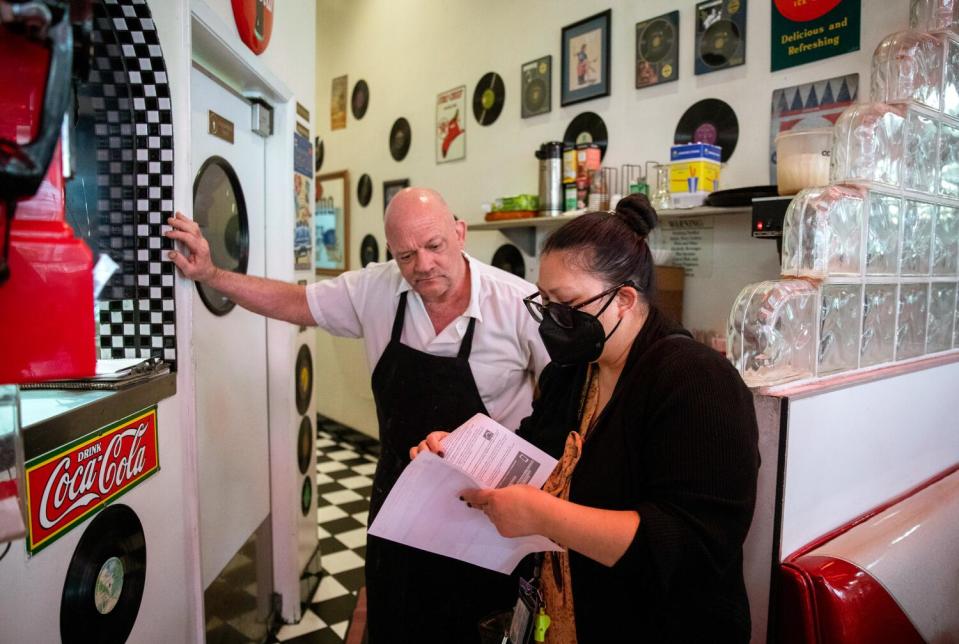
x: 530, y: 620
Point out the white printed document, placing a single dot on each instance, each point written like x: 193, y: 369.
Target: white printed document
x: 423, y: 509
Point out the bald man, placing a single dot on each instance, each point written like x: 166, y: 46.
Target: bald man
x: 446, y: 337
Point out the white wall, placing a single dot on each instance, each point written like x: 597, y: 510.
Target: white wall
x: 291, y: 54
x: 409, y: 50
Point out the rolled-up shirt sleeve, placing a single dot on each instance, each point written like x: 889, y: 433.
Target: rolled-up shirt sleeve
x: 336, y: 303
x: 700, y: 459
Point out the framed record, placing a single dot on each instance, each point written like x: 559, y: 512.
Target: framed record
x: 369, y: 250
x: 105, y: 579
x: 536, y: 81
x: 709, y: 121
x: 488, y: 98
x: 657, y: 50
x: 400, y: 139
x: 720, y: 35
x: 587, y: 127
x: 304, y: 379
x: 451, y: 125
x: 364, y: 190
x: 360, y: 99
x: 585, y: 58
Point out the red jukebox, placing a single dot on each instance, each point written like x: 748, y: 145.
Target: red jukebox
x: 41, y: 262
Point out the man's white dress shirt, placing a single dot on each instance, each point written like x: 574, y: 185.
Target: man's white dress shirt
x: 507, y: 354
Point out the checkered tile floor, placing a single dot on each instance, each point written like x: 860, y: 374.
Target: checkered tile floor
x: 345, y: 461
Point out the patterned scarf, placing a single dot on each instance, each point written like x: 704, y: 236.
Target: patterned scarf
x: 556, y: 582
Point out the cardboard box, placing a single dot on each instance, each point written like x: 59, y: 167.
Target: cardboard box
x: 668, y: 297
x: 695, y: 175
x: 691, y: 151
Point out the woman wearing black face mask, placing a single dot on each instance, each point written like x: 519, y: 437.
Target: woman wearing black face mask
x: 657, y: 441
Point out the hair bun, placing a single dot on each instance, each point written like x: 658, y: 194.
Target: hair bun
x: 638, y: 213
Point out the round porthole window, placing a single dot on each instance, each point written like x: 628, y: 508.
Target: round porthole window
x: 219, y: 210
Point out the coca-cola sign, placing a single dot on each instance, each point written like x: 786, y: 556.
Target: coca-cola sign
x: 67, y: 486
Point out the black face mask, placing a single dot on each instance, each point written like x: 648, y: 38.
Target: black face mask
x: 582, y: 343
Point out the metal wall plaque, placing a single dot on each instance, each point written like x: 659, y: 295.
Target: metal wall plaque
x: 302, y: 112
x: 221, y: 127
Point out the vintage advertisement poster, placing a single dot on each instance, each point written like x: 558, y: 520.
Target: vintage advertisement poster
x: 451, y: 125
x: 338, y: 103
x: 808, y: 30
x: 808, y: 106
x: 302, y: 219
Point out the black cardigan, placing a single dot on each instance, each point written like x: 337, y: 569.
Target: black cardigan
x: 677, y: 442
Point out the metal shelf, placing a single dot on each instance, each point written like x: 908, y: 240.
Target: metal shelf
x: 534, y: 222
x: 522, y: 232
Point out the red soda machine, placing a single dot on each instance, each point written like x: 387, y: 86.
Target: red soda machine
x: 46, y: 277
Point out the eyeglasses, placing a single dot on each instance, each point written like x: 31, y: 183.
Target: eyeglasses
x: 562, y: 314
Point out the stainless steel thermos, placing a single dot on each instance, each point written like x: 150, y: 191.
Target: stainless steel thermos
x: 550, y: 155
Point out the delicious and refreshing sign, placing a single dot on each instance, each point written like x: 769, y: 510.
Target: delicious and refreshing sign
x: 808, y: 30
x: 67, y: 486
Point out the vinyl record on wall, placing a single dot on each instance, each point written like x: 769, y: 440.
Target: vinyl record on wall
x: 360, y: 100
x: 105, y: 579
x: 709, y: 121
x: 304, y: 444
x: 508, y: 258
x: 587, y: 127
x: 318, y: 147
x: 304, y: 379
x: 364, y: 190
x: 306, y: 496
x: 488, y: 98
x: 400, y: 139
x: 369, y: 250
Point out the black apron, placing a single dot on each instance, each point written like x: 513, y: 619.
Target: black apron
x: 413, y: 595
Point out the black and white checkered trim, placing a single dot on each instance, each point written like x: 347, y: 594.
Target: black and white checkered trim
x: 135, y: 171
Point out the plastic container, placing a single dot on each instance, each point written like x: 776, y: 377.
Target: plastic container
x: 802, y: 159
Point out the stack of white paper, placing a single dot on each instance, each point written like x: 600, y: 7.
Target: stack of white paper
x: 423, y: 509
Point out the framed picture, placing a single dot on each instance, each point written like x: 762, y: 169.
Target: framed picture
x: 390, y: 188
x: 451, y: 125
x: 332, y: 222
x: 585, y: 59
